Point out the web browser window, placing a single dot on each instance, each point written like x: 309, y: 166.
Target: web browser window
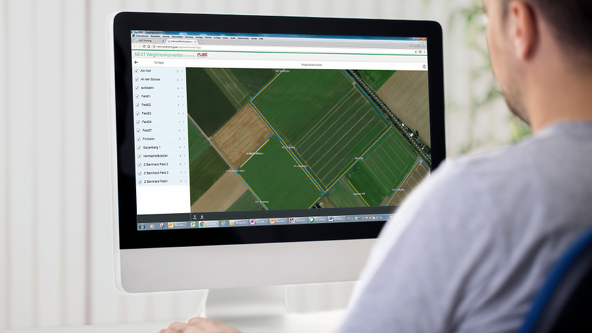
x: 242, y: 130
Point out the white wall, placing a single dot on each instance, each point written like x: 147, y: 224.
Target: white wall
x: 56, y: 263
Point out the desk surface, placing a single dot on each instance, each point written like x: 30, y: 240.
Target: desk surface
x: 318, y: 322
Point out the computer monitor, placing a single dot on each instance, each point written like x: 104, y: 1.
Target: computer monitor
x: 259, y: 150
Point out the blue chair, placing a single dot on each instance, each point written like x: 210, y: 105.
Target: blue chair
x: 564, y: 304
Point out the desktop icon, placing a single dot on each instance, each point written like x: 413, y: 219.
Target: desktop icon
x: 331, y: 218
x: 292, y: 220
x: 252, y: 221
x: 271, y: 221
x: 161, y: 225
x: 171, y: 225
x: 142, y: 227
x: 311, y: 219
x: 201, y: 224
x: 231, y: 222
x: 363, y: 217
x: 224, y: 223
x: 356, y: 218
x: 151, y: 226
x: 193, y: 224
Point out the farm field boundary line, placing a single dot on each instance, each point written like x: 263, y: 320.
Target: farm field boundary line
x: 419, y: 160
x: 286, y: 146
x: 359, y: 159
x: 250, y: 189
x: 359, y: 194
x: 376, y: 106
x: 256, y: 151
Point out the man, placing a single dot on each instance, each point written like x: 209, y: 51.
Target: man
x: 470, y: 247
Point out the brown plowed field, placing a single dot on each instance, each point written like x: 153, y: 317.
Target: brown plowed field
x: 417, y: 175
x: 325, y: 203
x: 243, y: 133
x: 406, y: 94
x: 221, y: 195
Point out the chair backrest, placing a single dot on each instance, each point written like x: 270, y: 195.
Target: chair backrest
x: 564, y: 304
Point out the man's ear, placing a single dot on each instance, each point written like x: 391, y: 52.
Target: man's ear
x: 523, y: 29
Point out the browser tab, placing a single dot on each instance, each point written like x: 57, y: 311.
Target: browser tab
x: 208, y: 224
x: 238, y: 223
x: 181, y: 225
x: 298, y: 220
x: 318, y: 219
x: 261, y: 221
x: 337, y: 219
x: 278, y: 220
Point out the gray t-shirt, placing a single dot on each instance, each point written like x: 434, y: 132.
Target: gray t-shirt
x: 471, y: 246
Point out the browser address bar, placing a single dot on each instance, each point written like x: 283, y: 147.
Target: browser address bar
x: 278, y: 49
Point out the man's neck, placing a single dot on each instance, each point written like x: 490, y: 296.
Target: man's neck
x: 562, y: 97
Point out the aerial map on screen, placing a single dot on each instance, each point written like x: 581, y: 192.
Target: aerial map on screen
x: 266, y: 139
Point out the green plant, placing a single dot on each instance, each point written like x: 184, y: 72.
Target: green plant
x: 471, y: 16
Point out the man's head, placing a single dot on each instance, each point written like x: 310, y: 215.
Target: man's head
x: 530, y: 41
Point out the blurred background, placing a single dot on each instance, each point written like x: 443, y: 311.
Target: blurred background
x: 56, y: 258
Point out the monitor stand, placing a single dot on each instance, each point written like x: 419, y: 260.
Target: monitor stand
x: 258, y: 310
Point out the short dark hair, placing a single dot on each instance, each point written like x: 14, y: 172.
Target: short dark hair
x: 570, y: 21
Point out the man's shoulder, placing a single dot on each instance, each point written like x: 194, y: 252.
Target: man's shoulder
x: 481, y: 189
x: 499, y: 163
x: 480, y: 173
x: 495, y: 173
x: 541, y: 176
x: 553, y: 151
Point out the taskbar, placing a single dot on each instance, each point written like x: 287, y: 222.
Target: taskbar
x: 254, y: 222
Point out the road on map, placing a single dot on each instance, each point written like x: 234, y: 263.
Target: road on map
x: 398, y: 123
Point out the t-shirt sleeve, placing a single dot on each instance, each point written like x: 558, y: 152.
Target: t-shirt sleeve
x: 430, y: 261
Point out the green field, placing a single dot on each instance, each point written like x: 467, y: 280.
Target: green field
x: 324, y: 116
x: 206, y: 103
x: 345, y: 133
x: 198, y: 143
x: 239, y: 85
x: 246, y: 202
x: 375, y: 79
x: 325, y: 119
x: 341, y: 195
x: 382, y: 169
x: 253, y: 79
x: 275, y: 179
x: 296, y: 100
x: 204, y: 172
x: 230, y: 86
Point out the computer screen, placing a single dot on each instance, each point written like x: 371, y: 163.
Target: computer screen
x: 257, y: 130
x: 277, y: 146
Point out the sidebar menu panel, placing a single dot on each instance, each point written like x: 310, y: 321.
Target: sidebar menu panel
x: 161, y: 140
